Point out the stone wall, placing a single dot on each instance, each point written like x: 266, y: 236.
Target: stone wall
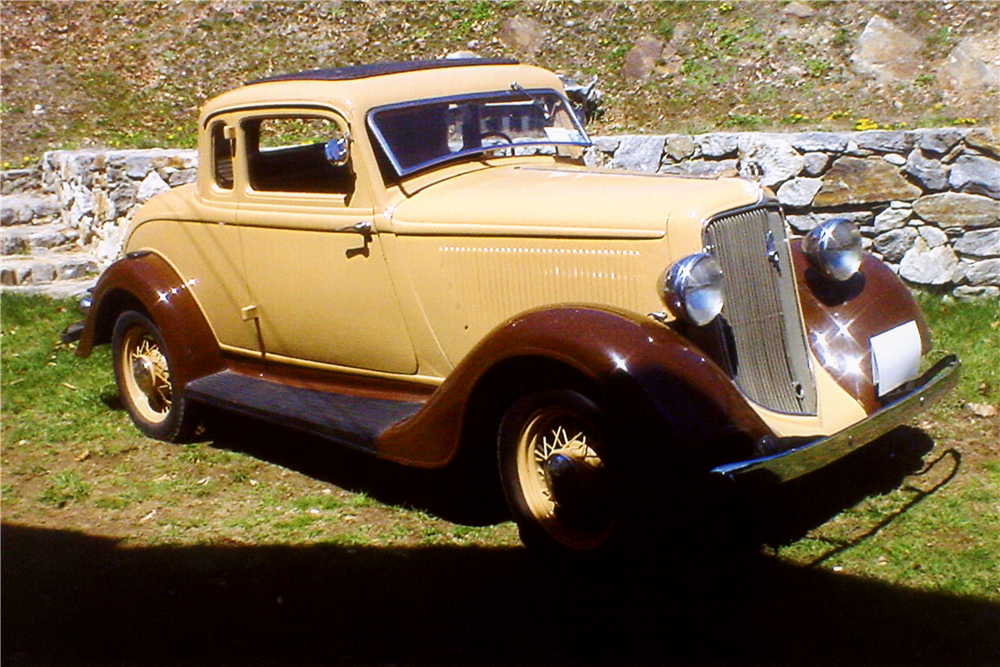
x: 63, y: 219
x: 927, y: 201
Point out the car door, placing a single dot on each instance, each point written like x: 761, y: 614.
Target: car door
x: 319, y: 284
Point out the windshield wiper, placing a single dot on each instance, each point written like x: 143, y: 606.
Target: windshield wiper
x: 536, y: 100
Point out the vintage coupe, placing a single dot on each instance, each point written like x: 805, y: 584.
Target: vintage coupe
x: 413, y: 260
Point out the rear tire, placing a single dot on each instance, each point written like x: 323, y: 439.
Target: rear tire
x: 143, y: 371
x: 558, y: 470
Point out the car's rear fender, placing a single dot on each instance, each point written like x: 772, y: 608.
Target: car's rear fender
x: 642, y: 372
x: 145, y: 282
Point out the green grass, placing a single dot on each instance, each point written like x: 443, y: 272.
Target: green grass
x: 65, y: 487
x: 972, y: 331
x: 67, y: 447
x: 50, y: 394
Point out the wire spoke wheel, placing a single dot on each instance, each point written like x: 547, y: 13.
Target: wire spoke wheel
x: 555, y: 476
x: 145, y: 381
x: 147, y: 376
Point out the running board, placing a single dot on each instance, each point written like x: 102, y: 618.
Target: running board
x: 353, y: 421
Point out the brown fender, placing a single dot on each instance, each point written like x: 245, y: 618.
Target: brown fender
x: 841, y: 318
x: 146, y: 282
x: 640, y: 369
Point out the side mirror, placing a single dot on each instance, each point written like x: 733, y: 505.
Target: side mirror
x: 338, y: 151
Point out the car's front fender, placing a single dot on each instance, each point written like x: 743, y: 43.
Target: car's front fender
x: 639, y: 368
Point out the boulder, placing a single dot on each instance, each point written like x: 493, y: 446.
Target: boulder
x: 863, y: 181
x: 176, y: 177
x: 940, y: 141
x: 825, y: 142
x: 522, y: 35
x: 986, y: 272
x: 702, y: 168
x: 978, y: 175
x: 799, y: 192
x: 929, y: 266
x: 20, y: 181
x: 972, y: 67
x: 16, y: 210
x: 932, y: 236
x: 894, y: 244
x: 799, y: 10
x: 777, y: 160
x: 137, y: 166
x: 967, y: 293
x: 954, y: 209
x: 892, y: 218
x: 607, y: 144
x: 815, y: 163
x: 639, y: 153
x: 885, y: 141
x: 641, y: 59
x: 718, y: 145
x: 930, y: 174
x: 983, y: 140
x: 979, y: 243
x: 886, y: 52
x: 679, y: 147
x: 14, y: 241
x: 152, y: 185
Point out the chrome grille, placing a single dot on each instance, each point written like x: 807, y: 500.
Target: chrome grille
x: 760, y: 326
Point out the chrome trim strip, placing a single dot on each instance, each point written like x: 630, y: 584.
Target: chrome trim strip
x: 926, y: 389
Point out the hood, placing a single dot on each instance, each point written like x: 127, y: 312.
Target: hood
x: 556, y: 200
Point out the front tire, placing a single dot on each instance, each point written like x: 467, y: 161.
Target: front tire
x: 143, y: 372
x: 556, y: 465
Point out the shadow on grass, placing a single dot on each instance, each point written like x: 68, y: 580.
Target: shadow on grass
x: 466, y: 494
x: 71, y: 598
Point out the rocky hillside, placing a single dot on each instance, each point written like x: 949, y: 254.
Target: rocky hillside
x: 124, y: 74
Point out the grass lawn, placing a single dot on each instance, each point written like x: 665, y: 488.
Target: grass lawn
x: 261, y: 546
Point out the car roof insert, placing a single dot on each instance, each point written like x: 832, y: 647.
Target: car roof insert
x: 383, y: 69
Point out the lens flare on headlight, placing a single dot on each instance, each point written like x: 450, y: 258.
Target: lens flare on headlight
x: 692, y: 288
x: 834, y: 249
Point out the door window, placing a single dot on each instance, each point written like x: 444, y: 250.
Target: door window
x: 222, y: 156
x: 291, y: 154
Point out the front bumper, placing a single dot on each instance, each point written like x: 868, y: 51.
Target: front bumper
x: 806, y: 458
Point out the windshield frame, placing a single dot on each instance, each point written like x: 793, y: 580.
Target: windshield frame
x: 519, y: 95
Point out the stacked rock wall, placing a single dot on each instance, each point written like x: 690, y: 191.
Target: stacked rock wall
x: 927, y: 201
x: 64, y: 219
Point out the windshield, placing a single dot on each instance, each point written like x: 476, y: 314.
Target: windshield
x: 515, y: 122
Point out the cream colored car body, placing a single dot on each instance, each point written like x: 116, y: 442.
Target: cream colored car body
x: 283, y: 276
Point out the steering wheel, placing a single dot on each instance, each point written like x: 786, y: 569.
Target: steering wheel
x: 497, y: 147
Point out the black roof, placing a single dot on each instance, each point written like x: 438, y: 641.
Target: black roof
x: 381, y: 69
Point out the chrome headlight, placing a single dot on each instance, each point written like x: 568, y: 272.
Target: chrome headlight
x: 834, y: 248
x: 692, y: 288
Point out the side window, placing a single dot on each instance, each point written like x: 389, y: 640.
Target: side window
x: 290, y: 154
x: 222, y: 156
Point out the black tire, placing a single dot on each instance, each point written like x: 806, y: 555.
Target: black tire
x: 557, y: 466
x: 143, y: 371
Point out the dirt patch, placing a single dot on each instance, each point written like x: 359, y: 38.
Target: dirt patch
x: 116, y: 74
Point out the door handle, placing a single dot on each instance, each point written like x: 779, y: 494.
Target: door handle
x: 366, y: 229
